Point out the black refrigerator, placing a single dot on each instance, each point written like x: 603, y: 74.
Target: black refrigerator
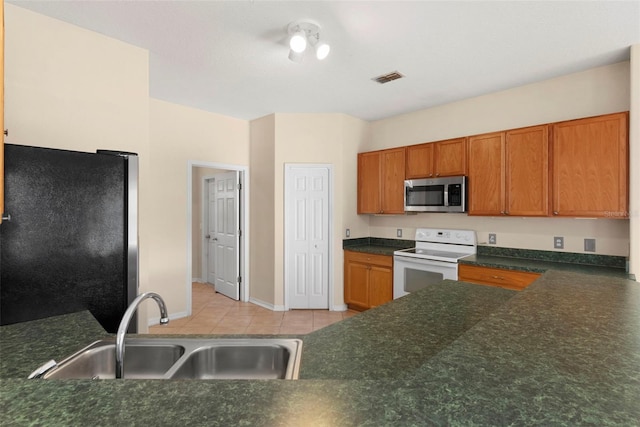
x: 69, y: 240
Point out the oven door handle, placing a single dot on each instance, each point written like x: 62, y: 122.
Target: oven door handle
x: 423, y: 262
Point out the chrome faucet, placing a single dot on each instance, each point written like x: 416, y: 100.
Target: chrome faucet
x: 124, y: 325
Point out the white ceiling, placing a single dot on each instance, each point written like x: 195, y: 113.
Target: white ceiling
x: 230, y: 57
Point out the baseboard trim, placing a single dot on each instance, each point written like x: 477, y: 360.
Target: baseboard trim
x: 266, y: 305
x: 338, y: 307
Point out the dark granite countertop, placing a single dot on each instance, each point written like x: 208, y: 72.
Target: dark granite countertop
x: 538, y: 266
x: 564, y: 351
x: 534, y: 261
x: 376, y: 245
x: 541, y: 261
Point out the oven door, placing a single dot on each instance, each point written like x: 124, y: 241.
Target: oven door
x: 412, y: 274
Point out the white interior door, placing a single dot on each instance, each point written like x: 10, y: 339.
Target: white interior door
x: 225, y: 237
x: 211, y: 231
x: 307, y: 231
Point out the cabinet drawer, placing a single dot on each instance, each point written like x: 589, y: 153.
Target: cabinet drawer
x: 366, y: 258
x: 509, y: 279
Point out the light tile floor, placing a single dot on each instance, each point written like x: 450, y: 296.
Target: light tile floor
x: 214, y: 313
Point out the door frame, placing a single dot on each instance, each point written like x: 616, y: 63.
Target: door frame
x: 243, y: 223
x: 203, y: 241
x: 287, y: 200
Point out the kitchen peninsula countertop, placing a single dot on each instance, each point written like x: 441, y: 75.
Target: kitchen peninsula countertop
x: 564, y: 351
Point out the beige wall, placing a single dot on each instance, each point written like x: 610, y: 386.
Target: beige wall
x: 262, y: 210
x: 596, y: 91
x: 178, y: 135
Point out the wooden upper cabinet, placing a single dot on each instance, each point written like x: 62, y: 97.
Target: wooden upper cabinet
x: 486, y: 193
x: 369, y: 182
x: 450, y: 157
x: 419, y: 161
x: 509, y: 172
x: 435, y: 159
x: 527, y: 171
x: 393, y: 165
x: 590, y: 167
x: 381, y: 181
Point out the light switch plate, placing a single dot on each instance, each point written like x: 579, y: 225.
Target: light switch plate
x: 558, y: 242
x: 348, y: 233
x: 399, y: 232
x: 492, y: 238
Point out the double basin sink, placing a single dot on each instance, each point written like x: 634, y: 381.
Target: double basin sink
x: 185, y: 358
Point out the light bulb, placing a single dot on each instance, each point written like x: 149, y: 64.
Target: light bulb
x: 322, y: 50
x: 298, y: 42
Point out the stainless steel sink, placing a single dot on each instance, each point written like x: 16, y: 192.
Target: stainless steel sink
x: 235, y: 362
x: 145, y: 359
x: 185, y: 358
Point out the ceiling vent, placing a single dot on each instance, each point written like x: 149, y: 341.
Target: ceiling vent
x: 386, y: 78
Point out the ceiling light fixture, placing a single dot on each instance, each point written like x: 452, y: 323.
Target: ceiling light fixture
x: 303, y: 33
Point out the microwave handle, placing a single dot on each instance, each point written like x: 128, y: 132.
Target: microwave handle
x: 446, y: 195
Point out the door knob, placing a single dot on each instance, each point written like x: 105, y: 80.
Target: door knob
x: 208, y: 236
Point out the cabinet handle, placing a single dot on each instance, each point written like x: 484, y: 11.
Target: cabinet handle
x: 497, y: 277
x: 555, y: 212
x: 502, y: 213
x: 437, y: 174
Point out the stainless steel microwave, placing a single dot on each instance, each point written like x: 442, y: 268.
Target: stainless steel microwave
x: 448, y: 194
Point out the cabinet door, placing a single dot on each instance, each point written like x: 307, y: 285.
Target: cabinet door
x: 380, y: 285
x: 486, y: 174
x: 527, y: 171
x: 419, y: 161
x: 393, y: 181
x: 508, y: 279
x: 450, y: 157
x: 590, y: 174
x: 356, y: 283
x: 369, y: 184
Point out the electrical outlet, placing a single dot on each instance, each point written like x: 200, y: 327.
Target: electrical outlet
x: 492, y: 238
x: 589, y: 245
x: 348, y: 233
x: 558, y: 242
x: 399, y: 232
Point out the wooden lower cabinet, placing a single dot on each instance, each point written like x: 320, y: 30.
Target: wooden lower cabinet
x: 508, y: 279
x: 368, y: 280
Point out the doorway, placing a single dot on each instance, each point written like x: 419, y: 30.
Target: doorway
x: 307, y: 221
x: 199, y: 175
x: 221, y: 241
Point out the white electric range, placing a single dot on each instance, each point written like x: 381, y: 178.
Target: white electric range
x: 433, y: 259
